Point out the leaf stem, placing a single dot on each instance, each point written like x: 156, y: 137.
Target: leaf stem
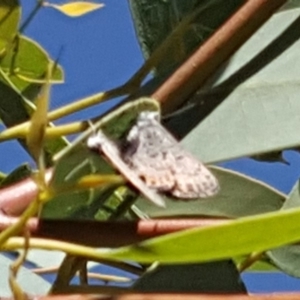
x: 90, y: 253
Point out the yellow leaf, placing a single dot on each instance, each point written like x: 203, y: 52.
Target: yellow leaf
x: 75, y: 9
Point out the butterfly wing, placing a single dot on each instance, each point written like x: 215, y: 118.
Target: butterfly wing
x: 192, y: 179
x: 101, y: 142
x: 156, y: 157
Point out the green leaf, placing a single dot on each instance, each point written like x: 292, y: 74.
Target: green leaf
x: 15, y: 109
x: 10, y: 14
x: 21, y: 172
x: 30, y: 65
x: 53, y: 146
x: 77, y: 160
x: 273, y: 156
x: 235, y: 238
x: 291, y: 4
x: 116, y: 123
x: 219, y: 277
x: 256, y: 97
x: 2, y: 177
x: 239, y: 196
x: 38, y: 120
x: 155, y: 20
x: 44, y: 259
x: 287, y: 258
x: 12, y: 109
x: 30, y: 282
x: 100, y: 203
x: 70, y: 203
x: 262, y: 265
x: 31, y: 61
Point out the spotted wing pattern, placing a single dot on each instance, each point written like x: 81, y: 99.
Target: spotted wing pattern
x: 158, y: 159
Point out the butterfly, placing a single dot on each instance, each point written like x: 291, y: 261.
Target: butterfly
x: 155, y: 163
x: 110, y: 149
x: 157, y: 157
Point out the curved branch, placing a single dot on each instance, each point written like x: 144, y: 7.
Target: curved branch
x: 187, y: 79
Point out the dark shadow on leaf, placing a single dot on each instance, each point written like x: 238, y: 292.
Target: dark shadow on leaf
x: 205, y: 101
x: 212, y: 277
x: 12, y: 4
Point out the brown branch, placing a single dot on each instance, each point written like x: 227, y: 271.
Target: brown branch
x: 106, y: 233
x: 16, y: 197
x: 187, y: 79
x: 115, y: 234
x: 157, y: 296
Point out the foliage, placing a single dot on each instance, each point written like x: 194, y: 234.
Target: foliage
x: 248, y: 109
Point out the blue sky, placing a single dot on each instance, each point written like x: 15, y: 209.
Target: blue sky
x: 100, y: 51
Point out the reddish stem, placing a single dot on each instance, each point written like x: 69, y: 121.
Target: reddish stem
x: 157, y: 296
x: 106, y: 234
x: 15, y: 198
x: 220, y: 46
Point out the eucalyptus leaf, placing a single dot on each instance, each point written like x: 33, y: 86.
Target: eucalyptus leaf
x: 287, y: 258
x: 30, y: 61
x: 192, y: 278
x: 273, y: 156
x: 69, y: 202
x: 155, y: 20
x: 261, y: 265
x: 234, y: 238
x: 12, y: 109
x: 29, y: 65
x: 29, y: 282
x: 239, y: 196
x: 251, y: 106
x: 38, y: 121
x: 10, y: 14
x: 116, y: 123
x: 44, y: 259
x: 21, y: 172
x: 291, y: 4
x: 77, y: 160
